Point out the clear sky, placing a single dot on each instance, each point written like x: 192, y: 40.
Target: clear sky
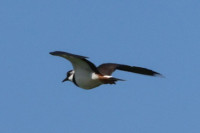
x: 163, y: 35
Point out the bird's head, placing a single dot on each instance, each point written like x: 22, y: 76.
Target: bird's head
x: 69, y: 76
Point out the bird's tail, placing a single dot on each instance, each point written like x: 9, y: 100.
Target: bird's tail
x: 114, y: 80
x: 109, y: 80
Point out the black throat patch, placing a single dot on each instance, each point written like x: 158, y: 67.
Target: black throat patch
x: 74, y: 80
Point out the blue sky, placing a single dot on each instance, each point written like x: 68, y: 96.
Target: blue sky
x: 157, y: 34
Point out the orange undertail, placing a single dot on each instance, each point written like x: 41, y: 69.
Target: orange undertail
x: 109, y: 80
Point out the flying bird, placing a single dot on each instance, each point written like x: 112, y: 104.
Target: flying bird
x: 87, y: 76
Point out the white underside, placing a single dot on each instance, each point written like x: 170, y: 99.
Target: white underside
x: 84, y: 76
x: 87, y: 80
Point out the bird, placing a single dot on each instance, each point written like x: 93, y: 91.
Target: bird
x: 87, y: 76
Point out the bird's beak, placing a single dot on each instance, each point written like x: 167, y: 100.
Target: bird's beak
x: 66, y: 79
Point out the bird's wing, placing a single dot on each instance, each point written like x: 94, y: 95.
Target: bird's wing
x: 109, y: 68
x: 78, y: 62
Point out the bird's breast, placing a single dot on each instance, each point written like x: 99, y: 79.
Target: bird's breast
x: 87, y: 81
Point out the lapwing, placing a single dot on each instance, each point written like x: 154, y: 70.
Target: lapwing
x: 87, y: 76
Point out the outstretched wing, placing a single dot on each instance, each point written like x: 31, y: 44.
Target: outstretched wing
x: 109, y: 68
x: 79, y: 63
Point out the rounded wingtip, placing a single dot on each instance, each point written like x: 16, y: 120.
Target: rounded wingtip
x: 54, y: 52
x: 159, y: 75
x: 62, y: 54
x: 51, y: 53
x: 57, y: 53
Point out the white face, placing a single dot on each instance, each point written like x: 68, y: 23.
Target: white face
x: 70, y: 75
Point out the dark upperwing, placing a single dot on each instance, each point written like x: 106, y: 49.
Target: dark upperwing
x: 109, y: 68
x: 72, y: 57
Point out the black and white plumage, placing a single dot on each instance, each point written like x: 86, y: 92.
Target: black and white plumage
x: 87, y: 76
